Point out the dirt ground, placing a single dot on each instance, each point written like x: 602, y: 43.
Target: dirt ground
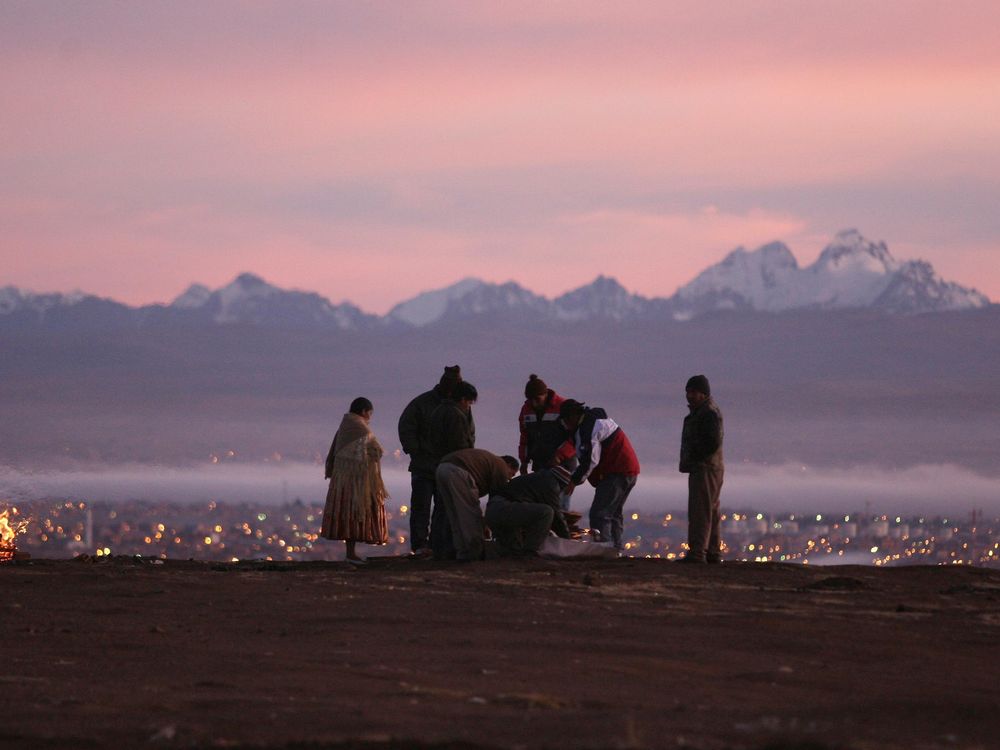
x: 505, y: 654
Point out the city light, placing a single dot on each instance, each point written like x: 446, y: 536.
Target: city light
x: 221, y: 532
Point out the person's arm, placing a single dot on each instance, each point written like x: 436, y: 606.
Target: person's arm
x: 559, y: 525
x: 548, y: 492
x: 374, y: 449
x: 588, y: 446
x: 522, y: 446
x: 709, y: 435
x: 453, y: 432
x: 409, y: 429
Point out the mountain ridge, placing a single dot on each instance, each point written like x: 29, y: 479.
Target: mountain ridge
x: 851, y: 272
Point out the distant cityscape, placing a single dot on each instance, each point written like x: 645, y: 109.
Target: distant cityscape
x: 227, y: 532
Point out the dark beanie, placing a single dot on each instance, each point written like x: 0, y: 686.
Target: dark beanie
x: 698, y: 383
x: 535, y: 387
x: 570, y: 408
x: 452, y: 377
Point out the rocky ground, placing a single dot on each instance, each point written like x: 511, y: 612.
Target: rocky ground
x: 505, y: 654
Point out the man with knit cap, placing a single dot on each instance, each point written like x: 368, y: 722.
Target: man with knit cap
x: 522, y: 512
x: 701, y: 460
x: 462, y: 478
x: 417, y: 441
x: 542, y: 434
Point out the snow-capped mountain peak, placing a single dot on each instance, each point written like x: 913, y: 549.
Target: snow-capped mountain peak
x: 850, y: 251
x: 852, y: 271
x: 755, y: 279
x: 194, y: 296
x: 430, y: 306
x: 604, y: 297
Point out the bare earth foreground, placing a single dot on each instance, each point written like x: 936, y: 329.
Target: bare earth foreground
x: 504, y: 654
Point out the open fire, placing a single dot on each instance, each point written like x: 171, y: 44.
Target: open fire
x: 9, y: 529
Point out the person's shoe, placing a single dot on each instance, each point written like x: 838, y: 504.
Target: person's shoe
x: 713, y: 560
x: 357, y: 561
x: 422, y: 552
x: 689, y: 560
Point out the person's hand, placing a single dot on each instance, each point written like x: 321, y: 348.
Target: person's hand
x: 569, y: 489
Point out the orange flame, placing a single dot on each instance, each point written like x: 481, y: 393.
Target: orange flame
x: 7, y: 530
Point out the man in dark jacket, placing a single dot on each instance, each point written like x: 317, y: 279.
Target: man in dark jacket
x: 542, y: 434
x: 607, y: 460
x: 415, y: 437
x: 450, y: 425
x: 451, y: 429
x: 701, y: 460
x: 522, y: 512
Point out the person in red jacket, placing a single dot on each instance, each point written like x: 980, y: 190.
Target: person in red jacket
x: 607, y: 460
x: 543, y: 436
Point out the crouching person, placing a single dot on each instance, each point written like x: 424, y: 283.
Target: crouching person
x: 521, y: 513
x: 462, y: 478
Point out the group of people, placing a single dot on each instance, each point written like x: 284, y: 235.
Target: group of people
x: 563, y: 443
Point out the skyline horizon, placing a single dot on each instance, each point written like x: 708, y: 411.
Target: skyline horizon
x: 493, y: 279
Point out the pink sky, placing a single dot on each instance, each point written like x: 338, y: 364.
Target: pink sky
x: 370, y: 151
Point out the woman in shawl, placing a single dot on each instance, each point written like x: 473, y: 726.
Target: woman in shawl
x: 355, y: 502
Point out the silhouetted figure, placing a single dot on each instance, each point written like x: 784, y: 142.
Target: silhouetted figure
x: 542, y: 434
x: 355, y: 501
x: 462, y: 478
x: 523, y: 512
x: 414, y: 436
x: 451, y: 429
x: 701, y: 460
x: 607, y: 460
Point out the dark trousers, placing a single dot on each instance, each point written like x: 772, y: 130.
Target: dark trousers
x: 519, y: 528
x: 421, y: 497
x: 606, y: 510
x: 703, y: 514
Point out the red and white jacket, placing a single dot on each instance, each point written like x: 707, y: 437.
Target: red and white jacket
x: 603, y: 449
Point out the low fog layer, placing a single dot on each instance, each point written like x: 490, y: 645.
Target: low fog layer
x: 823, y: 389
x: 932, y: 490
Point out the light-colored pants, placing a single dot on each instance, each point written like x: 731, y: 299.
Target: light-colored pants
x: 459, y: 495
x: 704, y: 486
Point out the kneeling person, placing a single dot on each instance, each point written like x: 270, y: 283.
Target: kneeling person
x: 522, y: 512
x: 462, y: 478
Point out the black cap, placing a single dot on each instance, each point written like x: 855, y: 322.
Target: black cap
x: 465, y: 390
x: 571, y: 408
x: 699, y: 383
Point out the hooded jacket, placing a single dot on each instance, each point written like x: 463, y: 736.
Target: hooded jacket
x: 603, y: 449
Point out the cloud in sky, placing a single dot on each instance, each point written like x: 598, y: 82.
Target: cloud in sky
x: 147, y: 145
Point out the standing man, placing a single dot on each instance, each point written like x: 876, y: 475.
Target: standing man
x: 542, y: 434
x: 701, y: 460
x: 415, y: 437
x: 451, y: 429
x: 462, y: 478
x: 608, y: 460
